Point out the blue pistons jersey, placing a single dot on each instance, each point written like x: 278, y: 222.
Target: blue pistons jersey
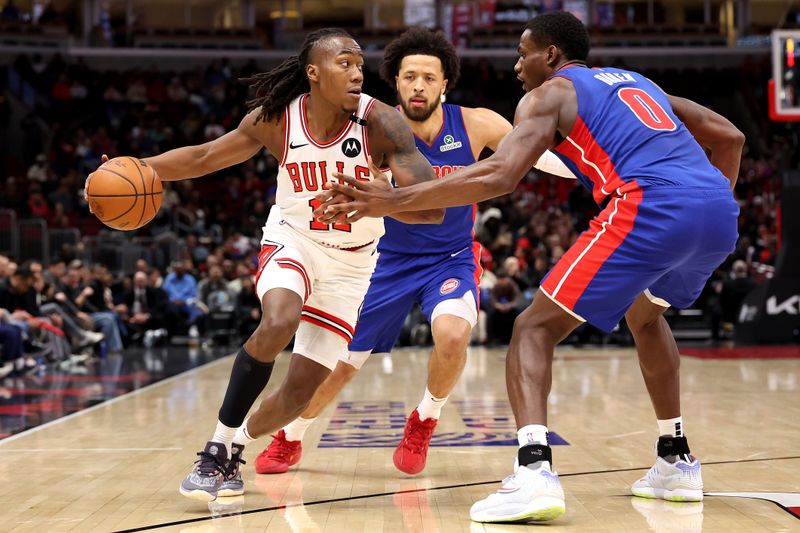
x: 423, y: 263
x: 449, y: 151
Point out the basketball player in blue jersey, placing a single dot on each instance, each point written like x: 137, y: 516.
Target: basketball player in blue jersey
x: 434, y: 265
x: 668, y: 219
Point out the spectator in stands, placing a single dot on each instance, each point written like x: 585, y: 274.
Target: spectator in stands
x: 19, y: 299
x: 94, y: 311
x: 145, y: 307
x: 181, y: 287
x: 505, y: 299
x: 734, y: 290
x: 248, y: 307
x: 10, y: 345
x: 213, y: 290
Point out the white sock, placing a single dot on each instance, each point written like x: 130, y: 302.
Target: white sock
x: 242, y: 437
x: 297, y: 428
x: 532, y: 434
x: 224, y: 434
x: 671, y: 428
x: 430, y: 406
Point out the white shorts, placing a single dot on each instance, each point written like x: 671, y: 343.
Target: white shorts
x: 331, y: 282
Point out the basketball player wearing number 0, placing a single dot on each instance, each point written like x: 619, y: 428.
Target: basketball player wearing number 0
x: 312, y: 276
x: 668, y: 218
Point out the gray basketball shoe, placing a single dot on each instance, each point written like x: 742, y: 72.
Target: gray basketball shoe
x: 232, y: 484
x: 205, y: 479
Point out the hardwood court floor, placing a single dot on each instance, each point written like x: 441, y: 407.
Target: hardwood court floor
x: 118, y: 466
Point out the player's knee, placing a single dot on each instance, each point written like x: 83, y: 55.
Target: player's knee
x: 640, y: 321
x: 277, y: 326
x: 451, y: 345
x: 343, y: 374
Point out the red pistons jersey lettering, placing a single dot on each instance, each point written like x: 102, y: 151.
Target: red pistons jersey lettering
x: 308, y: 163
x: 443, y: 170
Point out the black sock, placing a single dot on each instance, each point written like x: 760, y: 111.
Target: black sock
x: 248, y: 378
x: 533, y: 453
x: 673, y: 446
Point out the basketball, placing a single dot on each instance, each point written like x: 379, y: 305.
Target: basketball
x: 124, y: 193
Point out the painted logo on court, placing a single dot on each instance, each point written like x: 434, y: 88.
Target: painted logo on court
x: 380, y: 425
x: 449, y: 286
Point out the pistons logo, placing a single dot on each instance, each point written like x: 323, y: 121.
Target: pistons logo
x: 449, y: 286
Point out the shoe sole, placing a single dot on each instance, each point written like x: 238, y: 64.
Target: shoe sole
x: 227, y: 493
x: 542, y: 509
x: 199, y: 495
x: 677, y: 495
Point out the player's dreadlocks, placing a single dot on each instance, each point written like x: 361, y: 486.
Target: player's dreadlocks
x: 422, y: 41
x: 274, y: 90
x: 562, y: 29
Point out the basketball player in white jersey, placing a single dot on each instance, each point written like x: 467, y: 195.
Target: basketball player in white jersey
x: 312, y: 277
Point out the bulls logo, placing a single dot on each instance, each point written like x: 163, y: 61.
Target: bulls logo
x: 449, y: 286
x: 351, y: 148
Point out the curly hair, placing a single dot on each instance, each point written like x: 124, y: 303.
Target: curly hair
x: 562, y: 30
x: 422, y: 41
x: 274, y: 90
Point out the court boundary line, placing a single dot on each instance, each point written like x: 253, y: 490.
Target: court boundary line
x: 106, y: 403
x: 430, y: 489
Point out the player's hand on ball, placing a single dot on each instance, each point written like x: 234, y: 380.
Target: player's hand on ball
x: 353, y: 200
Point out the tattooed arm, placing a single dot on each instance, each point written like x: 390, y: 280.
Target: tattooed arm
x: 393, y: 143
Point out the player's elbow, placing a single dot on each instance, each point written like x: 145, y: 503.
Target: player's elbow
x: 736, y: 137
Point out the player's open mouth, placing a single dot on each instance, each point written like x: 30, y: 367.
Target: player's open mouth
x: 417, y: 102
x: 354, y: 92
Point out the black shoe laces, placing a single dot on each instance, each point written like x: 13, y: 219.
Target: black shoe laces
x: 233, y: 466
x: 209, y: 464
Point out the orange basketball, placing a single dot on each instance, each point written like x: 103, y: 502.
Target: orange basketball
x: 124, y: 193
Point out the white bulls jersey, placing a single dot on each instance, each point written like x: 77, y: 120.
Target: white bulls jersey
x: 308, y: 164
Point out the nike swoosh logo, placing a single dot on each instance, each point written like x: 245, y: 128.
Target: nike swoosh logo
x: 459, y: 252
x: 294, y: 146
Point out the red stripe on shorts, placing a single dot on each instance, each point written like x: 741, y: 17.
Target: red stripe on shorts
x: 607, y: 231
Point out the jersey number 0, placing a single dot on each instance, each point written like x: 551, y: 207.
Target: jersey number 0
x: 647, y: 110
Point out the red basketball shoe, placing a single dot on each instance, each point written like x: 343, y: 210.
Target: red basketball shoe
x: 412, y: 452
x: 279, y: 455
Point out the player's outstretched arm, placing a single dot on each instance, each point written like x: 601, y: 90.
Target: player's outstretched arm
x: 534, y: 131
x: 713, y: 132
x: 194, y: 161
x: 394, y: 139
x: 490, y: 128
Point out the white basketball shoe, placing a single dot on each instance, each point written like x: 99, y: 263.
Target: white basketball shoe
x: 532, y: 493
x: 678, y: 481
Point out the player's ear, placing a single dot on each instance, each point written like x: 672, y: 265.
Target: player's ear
x: 552, y: 54
x: 444, y: 86
x: 313, y: 73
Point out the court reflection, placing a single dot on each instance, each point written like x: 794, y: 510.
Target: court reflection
x: 661, y: 515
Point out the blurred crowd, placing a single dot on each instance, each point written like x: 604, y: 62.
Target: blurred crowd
x: 82, y: 114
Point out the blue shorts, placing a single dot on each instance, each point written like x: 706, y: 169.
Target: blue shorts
x: 667, y: 241
x: 400, y: 280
